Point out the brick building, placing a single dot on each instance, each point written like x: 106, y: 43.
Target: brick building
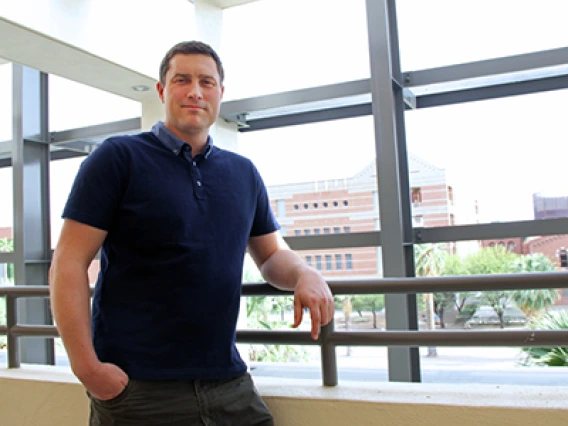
x: 351, y: 205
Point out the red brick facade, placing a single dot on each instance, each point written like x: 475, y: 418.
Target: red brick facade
x: 351, y: 205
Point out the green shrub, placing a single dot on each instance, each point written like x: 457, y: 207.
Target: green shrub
x: 552, y: 357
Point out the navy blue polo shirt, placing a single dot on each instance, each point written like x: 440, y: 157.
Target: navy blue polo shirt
x: 168, y: 293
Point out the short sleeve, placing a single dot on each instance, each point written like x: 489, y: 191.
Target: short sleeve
x: 98, y: 187
x: 264, y: 221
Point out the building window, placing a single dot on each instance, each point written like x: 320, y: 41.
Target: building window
x: 349, y: 262
x: 307, y: 231
x: 317, y: 231
x: 338, y: 262
x: 335, y: 204
x: 297, y: 232
x: 309, y: 260
x: 451, y: 195
x: 318, y: 262
x: 315, y: 205
x: 492, y: 245
x: 328, y: 266
x: 326, y: 231
x: 306, y: 205
x: 511, y: 246
x: 416, y: 196
x: 296, y: 207
x: 336, y: 229
x: 281, y: 208
x: 325, y: 204
x: 418, y: 220
x: 345, y: 203
x: 347, y: 229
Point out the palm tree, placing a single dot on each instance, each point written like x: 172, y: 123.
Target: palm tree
x: 534, y: 302
x: 429, y: 262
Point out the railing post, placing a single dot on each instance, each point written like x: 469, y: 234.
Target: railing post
x: 328, y: 356
x: 13, y: 343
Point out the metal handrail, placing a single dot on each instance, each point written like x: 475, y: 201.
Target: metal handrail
x: 329, y: 337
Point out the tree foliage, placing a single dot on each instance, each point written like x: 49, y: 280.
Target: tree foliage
x: 498, y: 260
x: 266, y: 312
x: 552, y: 357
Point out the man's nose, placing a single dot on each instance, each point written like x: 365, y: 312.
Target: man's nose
x: 194, y: 91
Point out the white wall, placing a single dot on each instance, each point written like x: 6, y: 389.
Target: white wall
x: 50, y: 397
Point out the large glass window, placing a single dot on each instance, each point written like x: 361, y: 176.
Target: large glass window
x: 5, y: 104
x: 61, y: 176
x: 6, y: 202
x: 498, y: 310
x: 73, y: 105
x: 430, y: 38
x: 293, y: 44
x: 495, y: 160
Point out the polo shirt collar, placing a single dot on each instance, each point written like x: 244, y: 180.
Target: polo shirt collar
x: 175, y: 144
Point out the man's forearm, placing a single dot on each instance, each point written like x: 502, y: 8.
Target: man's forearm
x: 283, y: 268
x: 70, y: 303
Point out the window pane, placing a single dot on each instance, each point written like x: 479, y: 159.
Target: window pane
x: 6, y: 203
x: 432, y: 33
x: 280, y: 56
x: 5, y: 104
x: 491, y: 310
x: 61, y: 176
x: 6, y: 276
x: 101, y: 107
x: 476, y: 168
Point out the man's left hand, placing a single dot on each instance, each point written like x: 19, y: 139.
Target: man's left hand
x: 312, y: 292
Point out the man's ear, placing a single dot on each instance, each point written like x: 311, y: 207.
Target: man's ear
x: 160, y: 90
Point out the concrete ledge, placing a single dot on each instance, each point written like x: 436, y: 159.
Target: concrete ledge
x: 50, y: 396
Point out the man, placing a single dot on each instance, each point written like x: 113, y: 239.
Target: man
x: 174, y: 215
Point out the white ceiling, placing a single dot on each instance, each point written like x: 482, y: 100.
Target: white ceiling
x: 46, y: 54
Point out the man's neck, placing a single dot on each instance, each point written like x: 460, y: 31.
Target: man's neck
x: 197, y: 141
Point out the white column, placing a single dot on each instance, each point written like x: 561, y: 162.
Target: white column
x: 152, y: 111
x: 209, y: 26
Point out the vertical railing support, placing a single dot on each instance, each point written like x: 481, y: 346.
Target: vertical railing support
x: 13, y: 344
x: 328, y: 356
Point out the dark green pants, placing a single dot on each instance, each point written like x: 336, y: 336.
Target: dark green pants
x: 231, y: 402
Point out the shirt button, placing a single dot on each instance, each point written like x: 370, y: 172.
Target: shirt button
x: 198, y: 183
x: 194, y: 163
x: 176, y: 151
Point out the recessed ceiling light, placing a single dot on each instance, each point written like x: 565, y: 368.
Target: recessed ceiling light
x: 140, y: 88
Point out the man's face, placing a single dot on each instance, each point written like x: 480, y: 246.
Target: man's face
x: 191, y: 93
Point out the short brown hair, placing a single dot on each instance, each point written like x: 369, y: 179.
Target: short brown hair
x: 190, y: 48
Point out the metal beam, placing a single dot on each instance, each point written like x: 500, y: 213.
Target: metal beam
x: 100, y: 131
x: 388, y: 105
x: 32, y: 245
x: 439, y: 234
x: 528, y: 228
x: 529, y: 86
x: 308, y: 117
x: 314, y: 98
x: 489, y: 67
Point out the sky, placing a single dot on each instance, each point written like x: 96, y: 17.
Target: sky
x: 498, y: 152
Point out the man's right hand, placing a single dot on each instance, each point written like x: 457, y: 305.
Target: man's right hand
x: 104, y: 381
